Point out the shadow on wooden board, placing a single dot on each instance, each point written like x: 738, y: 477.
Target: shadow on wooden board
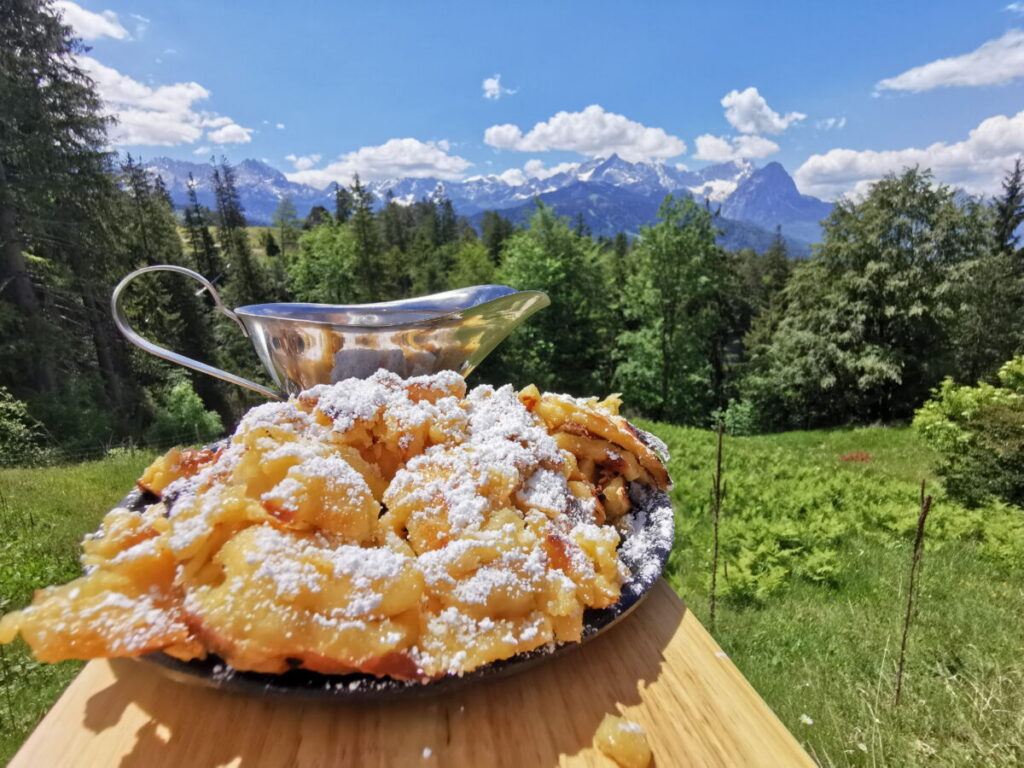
x: 537, y: 718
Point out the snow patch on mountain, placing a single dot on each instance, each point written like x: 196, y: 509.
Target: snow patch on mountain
x: 765, y: 197
x: 715, y: 190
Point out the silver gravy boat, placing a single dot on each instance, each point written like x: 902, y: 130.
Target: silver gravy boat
x: 302, y: 345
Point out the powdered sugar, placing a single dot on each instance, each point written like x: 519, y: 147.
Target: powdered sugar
x: 647, y: 536
x: 483, y: 458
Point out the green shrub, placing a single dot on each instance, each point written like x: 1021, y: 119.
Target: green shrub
x: 79, y: 417
x: 739, y: 417
x: 979, y: 435
x: 180, y: 416
x: 21, y: 436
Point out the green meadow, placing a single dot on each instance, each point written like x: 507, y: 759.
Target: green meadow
x: 816, y: 535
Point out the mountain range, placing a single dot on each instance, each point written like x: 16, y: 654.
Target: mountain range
x: 611, y: 194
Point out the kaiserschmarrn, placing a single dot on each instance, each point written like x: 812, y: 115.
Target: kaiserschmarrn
x: 401, y: 527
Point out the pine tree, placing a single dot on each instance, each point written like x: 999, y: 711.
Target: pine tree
x: 1009, y: 209
x: 582, y: 228
x: 342, y: 203
x: 204, y: 249
x: 270, y: 247
x: 165, y: 306
x: 368, y: 244
x: 52, y: 138
x: 621, y: 246
x: 317, y: 215
x: 246, y: 284
x: 447, y: 222
x: 494, y: 230
x: 286, y: 220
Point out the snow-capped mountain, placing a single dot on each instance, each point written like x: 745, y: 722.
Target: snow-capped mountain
x: 260, y: 187
x: 768, y: 197
x: 612, y: 194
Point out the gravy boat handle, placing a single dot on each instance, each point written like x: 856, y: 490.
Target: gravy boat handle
x: 121, y: 321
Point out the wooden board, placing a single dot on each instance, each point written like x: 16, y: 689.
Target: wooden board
x: 659, y: 667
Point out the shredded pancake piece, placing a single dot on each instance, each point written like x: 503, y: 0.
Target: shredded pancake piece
x: 380, y: 525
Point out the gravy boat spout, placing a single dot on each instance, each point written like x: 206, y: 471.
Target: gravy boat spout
x: 302, y: 345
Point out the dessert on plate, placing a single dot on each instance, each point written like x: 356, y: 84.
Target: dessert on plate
x: 395, y: 527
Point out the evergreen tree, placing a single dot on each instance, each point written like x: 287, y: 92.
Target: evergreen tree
x: 342, y: 203
x: 988, y: 299
x: 286, y: 220
x: 397, y: 223
x: 52, y: 139
x: 368, y: 243
x: 621, y: 246
x: 760, y: 277
x: 246, y: 282
x: 494, y: 230
x: 1009, y: 209
x: 204, y: 249
x: 165, y: 307
x: 270, y: 247
x: 430, y: 256
x: 447, y: 222
x: 317, y: 215
x: 616, y: 266
x: 582, y: 228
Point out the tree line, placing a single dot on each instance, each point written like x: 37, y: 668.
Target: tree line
x: 912, y: 284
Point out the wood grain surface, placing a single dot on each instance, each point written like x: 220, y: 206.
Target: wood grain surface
x: 658, y: 667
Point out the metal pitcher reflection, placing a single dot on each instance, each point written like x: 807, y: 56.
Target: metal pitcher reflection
x: 302, y: 345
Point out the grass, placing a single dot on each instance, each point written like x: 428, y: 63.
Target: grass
x: 815, y: 551
x: 824, y: 650
x: 43, y: 515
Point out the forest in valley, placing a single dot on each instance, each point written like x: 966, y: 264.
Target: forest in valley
x: 913, y: 285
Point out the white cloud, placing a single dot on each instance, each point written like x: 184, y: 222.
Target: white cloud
x: 201, y: 151
x: 303, y: 162
x: 995, y: 62
x: 1017, y: 8
x: 141, y: 25
x: 493, y: 89
x: 830, y: 123
x: 89, y: 25
x: 280, y: 126
x: 536, y: 169
x: 392, y: 159
x: 682, y: 167
x: 157, y: 116
x: 232, y: 133
x: 748, y: 112
x: 716, y: 189
x: 592, y: 132
x: 513, y: 176
x: 723, y: 149
x: 977, y: 163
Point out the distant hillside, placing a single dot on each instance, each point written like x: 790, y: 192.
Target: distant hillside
x: 613, y: 195
x: 608, y: 210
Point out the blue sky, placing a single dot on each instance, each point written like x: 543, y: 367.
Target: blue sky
x: 838, y: 93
